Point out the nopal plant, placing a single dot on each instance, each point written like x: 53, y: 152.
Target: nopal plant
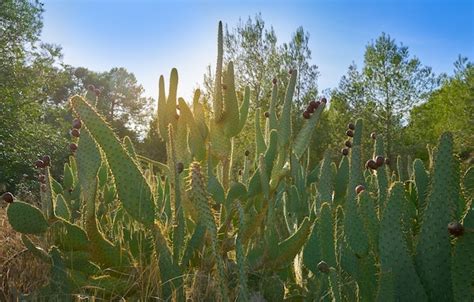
x: 120, y: 225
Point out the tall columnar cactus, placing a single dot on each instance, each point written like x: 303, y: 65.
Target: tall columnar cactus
x: 130, y: 227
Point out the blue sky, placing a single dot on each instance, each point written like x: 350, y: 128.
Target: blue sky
x: 151, y: 37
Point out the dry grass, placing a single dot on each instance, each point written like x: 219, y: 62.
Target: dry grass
x: 21, y: 273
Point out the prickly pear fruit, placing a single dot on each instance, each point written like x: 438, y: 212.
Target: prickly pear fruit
x: 8, y: 197
x: 456, y: 229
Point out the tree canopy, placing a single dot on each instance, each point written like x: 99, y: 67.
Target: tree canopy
x: 389, y: 85
x: 449, y: 108
x: 35, y: 86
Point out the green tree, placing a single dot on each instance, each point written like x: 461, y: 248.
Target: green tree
x: 253, y: 50
x: 449, y: 108
x: 395, y: 82
x: 120, y: 99
x: 348, y: 103
x: 297, y: 55
x: 20, y: 27
x: 389, y: 85
x: 29, y: 125
x: 258, y: 59
x: 153, y: 146
x: 34, y: 88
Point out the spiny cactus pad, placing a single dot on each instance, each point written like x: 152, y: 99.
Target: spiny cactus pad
x: 26, y: 219
x: 394, y: 255
x: 132, y: 187
x: 433, y: 254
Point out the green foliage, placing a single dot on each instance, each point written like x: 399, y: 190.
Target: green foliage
x: 389, y: 85
x: 449, y: 108
x: 258, y: 59
x: 33, y: 111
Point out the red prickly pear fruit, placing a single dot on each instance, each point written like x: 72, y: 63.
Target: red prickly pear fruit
x: 91, y: 87
x: 345, y: 151
x: 247, y: 152
x: 373, y: 135
x: 39, y: 164
x: 8, y: 197
x: 274, y: 81
x: 379, y: 160
x: 323, y: 267
x: 42, y: 178
x: 359, y: 188
x: 371, y: 164
x: 179, y: 167
x: 310, y: 109
x: 97, y: 91
x: 43, y: 188
x: 348, y: 143
x: 267, y: 114
x: 351, y: 126
x: 46, y: 160
x: 313, y: 104
x: 306, y: 115
x: 75, y: 132
x: 72, y: 147
x: 76, y: 123
x: 350, y: 133
x: 455, y: 228
x: 324, y: 100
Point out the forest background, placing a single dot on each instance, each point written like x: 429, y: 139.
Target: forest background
x: 397, y: 95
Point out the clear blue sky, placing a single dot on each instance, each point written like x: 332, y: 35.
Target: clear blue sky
x: 150, y: 37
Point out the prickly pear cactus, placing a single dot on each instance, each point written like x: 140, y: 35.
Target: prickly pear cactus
x: 123, y: 226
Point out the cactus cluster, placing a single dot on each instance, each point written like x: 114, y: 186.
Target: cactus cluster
x: 122, y: 225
